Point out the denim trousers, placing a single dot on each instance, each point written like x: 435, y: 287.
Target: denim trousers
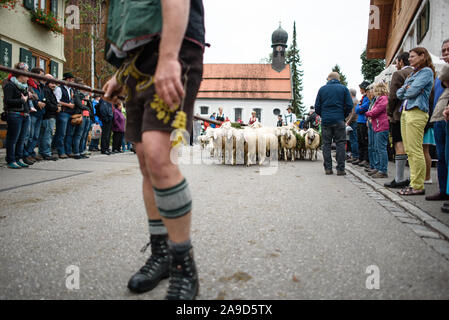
x: 77, y: 136
x: 353, y: 141
x: 48, y: 125
x: 62, y: 121
x: 15, y: 136
x: 336, y: 132
x: 439, y: 130
x: 372, y: 154
x: 85, y: 133
x: 70, y: 134
x: 381, y: 142
x: 33, y: 134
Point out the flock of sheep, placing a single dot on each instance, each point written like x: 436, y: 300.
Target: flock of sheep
x: 255, y: 144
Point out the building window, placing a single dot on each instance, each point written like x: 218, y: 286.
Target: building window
x: 423, y: 23
x: 258, y: 114
x: 45, y: 5
x: 238, y: 114
x: 39, y: 61
x: 5, y: 53
x: 204, y: 110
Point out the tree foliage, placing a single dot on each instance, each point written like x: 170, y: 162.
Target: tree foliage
x: 293, y: 58
x: 92, y: 20
x: 371, y: 68
x: 343, y: 79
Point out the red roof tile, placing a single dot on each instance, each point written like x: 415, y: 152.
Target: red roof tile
x: 245, y: 81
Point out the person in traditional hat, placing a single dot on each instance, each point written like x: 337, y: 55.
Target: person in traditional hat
x: 290, y: 117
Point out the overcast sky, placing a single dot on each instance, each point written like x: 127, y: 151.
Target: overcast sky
x: 329, y: 32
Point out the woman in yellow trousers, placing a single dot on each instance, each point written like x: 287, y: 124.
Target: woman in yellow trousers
x: 415, y: 113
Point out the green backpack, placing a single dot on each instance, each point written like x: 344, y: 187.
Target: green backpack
x: 130, y: 21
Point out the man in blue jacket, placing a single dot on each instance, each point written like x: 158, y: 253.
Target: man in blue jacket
x: 333, y: 104
x: 362, y: 129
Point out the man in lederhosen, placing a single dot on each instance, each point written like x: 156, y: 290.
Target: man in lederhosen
x: 161, y: 75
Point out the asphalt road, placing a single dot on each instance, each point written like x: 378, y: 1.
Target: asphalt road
x: 296, y: 234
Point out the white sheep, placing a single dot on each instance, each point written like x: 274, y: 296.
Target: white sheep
x: 288, y: 143
x: 312, y: 142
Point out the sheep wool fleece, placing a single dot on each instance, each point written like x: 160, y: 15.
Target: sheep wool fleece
x: 174, y: 202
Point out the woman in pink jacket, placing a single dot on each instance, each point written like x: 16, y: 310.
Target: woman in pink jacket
x: 379, y: 120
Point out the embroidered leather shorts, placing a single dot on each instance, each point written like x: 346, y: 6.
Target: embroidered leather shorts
x: 145, y: 111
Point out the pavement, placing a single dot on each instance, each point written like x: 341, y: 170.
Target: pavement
x: 294, y: 234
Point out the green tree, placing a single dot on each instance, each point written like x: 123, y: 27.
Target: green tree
x: 293, y: 58
x: 343, y: 79
x: 371, y: 68
x: 92, y: 20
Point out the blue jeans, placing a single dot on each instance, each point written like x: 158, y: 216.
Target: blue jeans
x: 62, y: 121
x: 85, y: 134
x: 77, y: 135
x: 69, y: 136
x: 15, y: 136
x: 33, y: 136
x: 353, y: 141
x: 381, y: 141
x: 94, y: 144
x: 372, y: 154
x: 439, y: 130
x: 48, y: 125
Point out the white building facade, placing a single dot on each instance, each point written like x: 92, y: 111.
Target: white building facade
x: 241, y: 89
x: 429, y: 28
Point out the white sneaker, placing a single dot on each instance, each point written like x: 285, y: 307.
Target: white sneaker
x: 428, y: 181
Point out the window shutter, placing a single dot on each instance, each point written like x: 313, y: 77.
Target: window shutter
x: 54, y: 7
x: 5, y: 53
x: 29, y: 4
x: 26, y: 56
x: 54, y: 68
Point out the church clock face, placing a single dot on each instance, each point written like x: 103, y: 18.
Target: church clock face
x: 279, y: 48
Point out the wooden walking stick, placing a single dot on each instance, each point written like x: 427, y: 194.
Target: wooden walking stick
x: 88, y: 89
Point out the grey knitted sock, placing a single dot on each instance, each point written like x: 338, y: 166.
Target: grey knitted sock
x: 157, y: 227
x: 180, y: 248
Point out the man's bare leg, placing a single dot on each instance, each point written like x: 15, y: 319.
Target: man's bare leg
x: 170, y: 199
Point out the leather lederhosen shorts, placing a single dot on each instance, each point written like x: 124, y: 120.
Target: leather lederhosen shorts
x: 145, y: 111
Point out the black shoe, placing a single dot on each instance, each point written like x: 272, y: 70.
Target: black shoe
x: 84, y: 156
x: 397, y: 185
x: 106, y: 153
x: 77, y: 157
x: 184, y: 283
x: 50, y: 158
x: 155, y: 269
x: 28, y: 161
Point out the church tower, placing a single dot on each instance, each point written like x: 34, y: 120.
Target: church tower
x: 279, y: 40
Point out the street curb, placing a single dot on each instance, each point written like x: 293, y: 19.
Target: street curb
x: 421, y: 215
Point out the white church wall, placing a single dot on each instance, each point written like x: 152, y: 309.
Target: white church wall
x: 229, y: 106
